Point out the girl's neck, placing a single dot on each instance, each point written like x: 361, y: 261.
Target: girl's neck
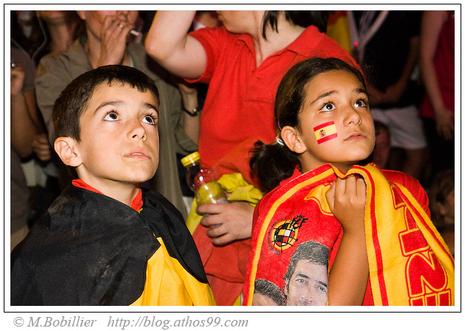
x: 275, y: 41
x: 342, y: 167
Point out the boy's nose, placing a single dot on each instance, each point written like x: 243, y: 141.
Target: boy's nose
x: 138, y: 132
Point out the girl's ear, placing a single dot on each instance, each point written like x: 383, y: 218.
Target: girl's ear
x: 293, y: 140
x: 66, y: 148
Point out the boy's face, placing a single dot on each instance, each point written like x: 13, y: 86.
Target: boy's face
x: 119, y: 136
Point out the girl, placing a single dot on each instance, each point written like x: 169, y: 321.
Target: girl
x: 370, y: 227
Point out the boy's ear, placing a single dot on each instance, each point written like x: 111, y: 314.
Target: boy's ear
x: 66, y: 148
x: 293, y: 140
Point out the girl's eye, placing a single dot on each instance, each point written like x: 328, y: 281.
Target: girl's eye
x: 111, y: 116
x: 361, y: 103
x: 328, y: 106
x: 150, y: 119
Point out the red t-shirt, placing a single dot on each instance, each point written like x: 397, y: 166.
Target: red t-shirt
x: 239, y: 108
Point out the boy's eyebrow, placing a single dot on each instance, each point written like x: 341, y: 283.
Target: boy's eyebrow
x: 117, y: 103
x: 151, y: 106
x: 108, y: 103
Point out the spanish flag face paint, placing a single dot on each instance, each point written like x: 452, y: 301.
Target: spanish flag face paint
x: 325, y: 131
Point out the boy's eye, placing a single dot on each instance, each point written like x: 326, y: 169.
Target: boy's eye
x: 111, y: 116
x: 150, y: 119
x: 328, y: 106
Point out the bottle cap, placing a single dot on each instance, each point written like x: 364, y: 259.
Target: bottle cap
x: 191, y: 158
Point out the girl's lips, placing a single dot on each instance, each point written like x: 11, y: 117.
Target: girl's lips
x: 355, y: 135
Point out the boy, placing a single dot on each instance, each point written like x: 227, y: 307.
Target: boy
x: 104, y: 241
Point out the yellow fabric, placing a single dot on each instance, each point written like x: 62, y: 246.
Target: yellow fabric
x: 169, y: 284
x: 393, y: 264
x: 237, y: 189
x: 338, y: 29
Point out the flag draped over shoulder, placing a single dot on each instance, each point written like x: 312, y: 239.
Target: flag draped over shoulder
x: 409, y: 262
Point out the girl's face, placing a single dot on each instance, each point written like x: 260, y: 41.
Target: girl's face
x: 336, y: 125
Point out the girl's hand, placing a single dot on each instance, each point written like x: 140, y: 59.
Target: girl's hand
x: 349, y: 275
x: 347, y: 198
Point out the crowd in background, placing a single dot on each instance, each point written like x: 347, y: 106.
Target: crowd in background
x: 407, y: 58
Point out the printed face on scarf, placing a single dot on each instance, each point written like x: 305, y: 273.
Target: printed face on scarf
x: 308, y: 285
x: 335, y: 124
x: 119, y: 136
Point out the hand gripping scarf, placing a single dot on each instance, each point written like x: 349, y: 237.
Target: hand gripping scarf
x: 409, y: 262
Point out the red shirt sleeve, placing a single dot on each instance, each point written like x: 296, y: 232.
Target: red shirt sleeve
x: 213, y: 41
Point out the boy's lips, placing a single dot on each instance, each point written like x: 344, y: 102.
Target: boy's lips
x: 137, y: 155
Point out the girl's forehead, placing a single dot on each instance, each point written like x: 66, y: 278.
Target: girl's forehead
x: 332, y: 80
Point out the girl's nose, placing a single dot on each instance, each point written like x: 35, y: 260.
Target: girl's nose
x: 353, y: 117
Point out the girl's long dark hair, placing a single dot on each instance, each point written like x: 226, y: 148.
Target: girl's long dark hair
x: 270, y: 164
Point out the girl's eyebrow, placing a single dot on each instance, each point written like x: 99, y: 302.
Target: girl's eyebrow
x: 361, y: 90
x: 321, y: 96
x: 324, y: 95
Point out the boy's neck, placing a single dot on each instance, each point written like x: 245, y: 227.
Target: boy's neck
x: 121, y: 191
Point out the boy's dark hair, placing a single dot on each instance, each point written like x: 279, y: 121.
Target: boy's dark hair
x: 270, y: 164
x: 73, y: 99
x: 296, y: 17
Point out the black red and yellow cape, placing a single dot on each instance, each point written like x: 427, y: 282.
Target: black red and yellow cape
x: 90, y: 249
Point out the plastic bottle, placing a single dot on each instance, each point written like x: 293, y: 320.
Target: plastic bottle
x: 202, y: 181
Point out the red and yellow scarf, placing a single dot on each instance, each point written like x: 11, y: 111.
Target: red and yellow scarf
x: 409, y: 262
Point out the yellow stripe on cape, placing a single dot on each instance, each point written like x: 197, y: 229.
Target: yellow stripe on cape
x: 169, y: 284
